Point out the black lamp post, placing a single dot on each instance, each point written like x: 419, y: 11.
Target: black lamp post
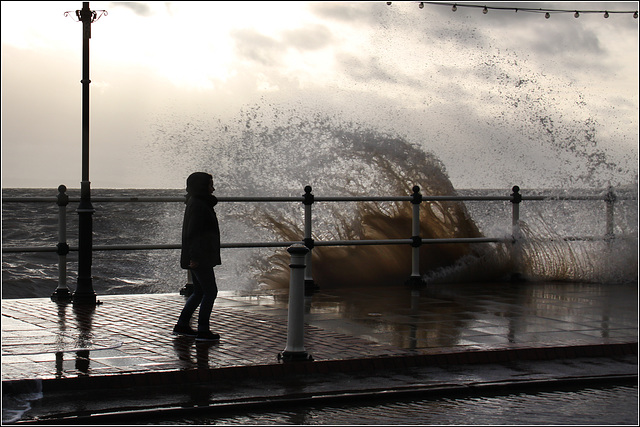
x: 84, y: 293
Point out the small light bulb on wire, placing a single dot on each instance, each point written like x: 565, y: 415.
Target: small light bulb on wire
x: 547, y: 14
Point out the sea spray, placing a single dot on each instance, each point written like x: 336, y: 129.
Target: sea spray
x: 284, y: 142
x: 353, y: 266
x: 350, y: 159
x: 548, y: 256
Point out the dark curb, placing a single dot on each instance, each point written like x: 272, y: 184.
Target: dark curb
x: 175, y: 378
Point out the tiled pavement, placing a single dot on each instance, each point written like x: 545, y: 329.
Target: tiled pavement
x: 126, y: 340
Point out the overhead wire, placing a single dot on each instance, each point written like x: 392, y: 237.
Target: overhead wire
x: 546, y: 11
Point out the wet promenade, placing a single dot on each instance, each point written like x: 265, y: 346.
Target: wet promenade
x: 126, y: 340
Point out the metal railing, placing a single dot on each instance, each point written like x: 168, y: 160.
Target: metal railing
x: 308, y: 199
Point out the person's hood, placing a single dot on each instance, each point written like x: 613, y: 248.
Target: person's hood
x: 198, y: 186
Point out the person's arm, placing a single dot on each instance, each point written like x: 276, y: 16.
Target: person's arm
x: 195, y: 234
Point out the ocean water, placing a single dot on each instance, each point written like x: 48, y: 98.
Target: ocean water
x: 277, y: 152
x: 545, y: 255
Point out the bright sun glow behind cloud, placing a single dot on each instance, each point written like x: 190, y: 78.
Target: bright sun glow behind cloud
x: 193, y: 50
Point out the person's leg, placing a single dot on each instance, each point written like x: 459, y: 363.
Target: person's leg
x: 207, y: 280
x: 192, y: 302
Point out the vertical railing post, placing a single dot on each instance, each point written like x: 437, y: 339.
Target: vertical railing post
x: 609, y: 199
x: 62, y: 293
x: 294, y: 350
x: 309, y: 285
x: 516, y: 234
x: 415, y: 279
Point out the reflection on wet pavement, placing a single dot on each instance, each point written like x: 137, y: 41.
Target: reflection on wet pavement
x: 132, y: 333
x: 482, y: 315
x: 126, y: 342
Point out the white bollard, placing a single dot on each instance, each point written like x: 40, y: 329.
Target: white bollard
x: 294, y: 350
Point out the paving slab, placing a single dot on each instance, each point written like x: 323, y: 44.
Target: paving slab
x: 126, y: 340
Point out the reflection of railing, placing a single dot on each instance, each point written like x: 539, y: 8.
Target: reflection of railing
x: 308, y: 199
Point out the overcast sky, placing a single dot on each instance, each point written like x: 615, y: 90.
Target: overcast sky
x: 514, y: 93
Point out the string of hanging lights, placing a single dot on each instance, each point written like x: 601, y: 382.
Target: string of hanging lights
x: 547, y: 12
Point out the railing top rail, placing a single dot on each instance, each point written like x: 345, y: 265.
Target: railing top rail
x: 578, y: 197
x: 182, y: 199
x: 29, y: 199
x: 425, y: 198
x: 152, y: 199
x: 362, y: 198
x: 464, y: 198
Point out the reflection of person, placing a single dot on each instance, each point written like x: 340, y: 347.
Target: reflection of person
x: 200, y: 253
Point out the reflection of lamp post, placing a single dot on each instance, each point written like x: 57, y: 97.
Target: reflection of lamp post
x: 84, y: 292
x: 84, y: 316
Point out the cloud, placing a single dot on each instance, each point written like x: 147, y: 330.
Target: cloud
x: 256, y: 47
x: 140, y: 9
x: 570, y: 39
x: 372, y: 70
x: 315, y: 37
x: 349, y: 12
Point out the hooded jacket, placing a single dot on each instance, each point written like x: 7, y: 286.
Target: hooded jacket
x: 200, y: 229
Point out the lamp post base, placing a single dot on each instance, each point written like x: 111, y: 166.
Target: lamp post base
x: 61, y: 295
x: 294, y: 356
x: 85, y: 298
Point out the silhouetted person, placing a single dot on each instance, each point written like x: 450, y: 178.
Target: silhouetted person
x: 200, y: 253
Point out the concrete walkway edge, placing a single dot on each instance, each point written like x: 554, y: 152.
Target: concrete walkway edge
x: 382, y: 363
